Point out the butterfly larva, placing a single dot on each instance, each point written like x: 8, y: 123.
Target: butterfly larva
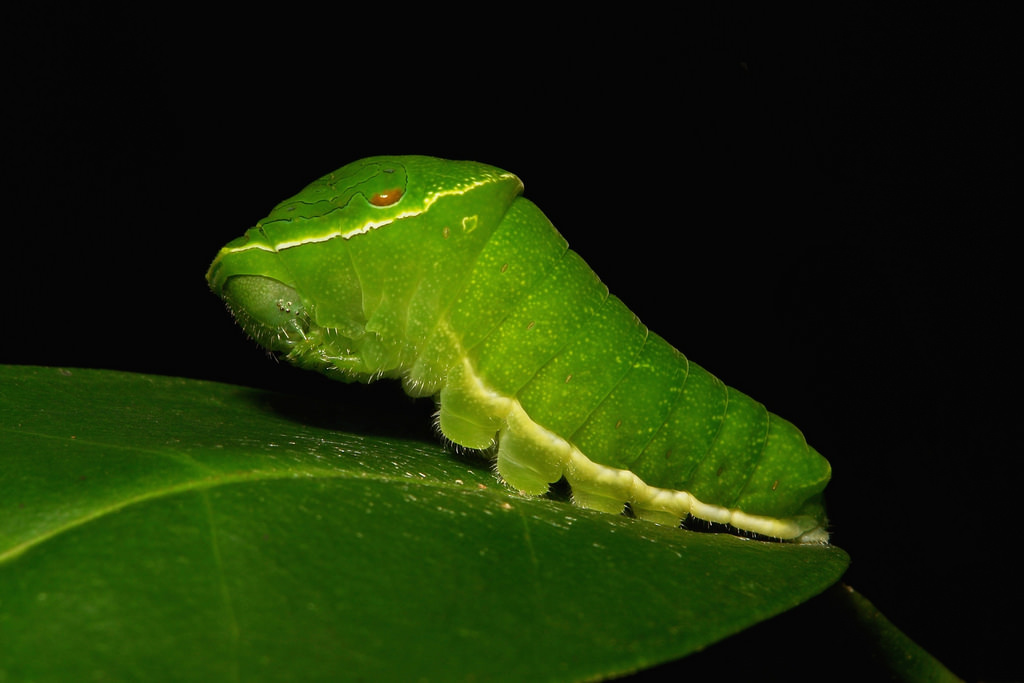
x: 439, y: 273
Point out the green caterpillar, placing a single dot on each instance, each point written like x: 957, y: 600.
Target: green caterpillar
x: 439, y: 273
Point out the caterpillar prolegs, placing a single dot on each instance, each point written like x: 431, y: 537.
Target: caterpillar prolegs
x: 441, y: 274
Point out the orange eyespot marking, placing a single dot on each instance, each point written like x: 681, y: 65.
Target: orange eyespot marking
x: 387, y: 197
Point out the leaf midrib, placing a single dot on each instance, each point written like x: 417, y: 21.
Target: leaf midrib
x: 215, y: 479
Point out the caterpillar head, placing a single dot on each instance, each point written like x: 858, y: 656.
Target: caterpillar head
x: 321, y: 280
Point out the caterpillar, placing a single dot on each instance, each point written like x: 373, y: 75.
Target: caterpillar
x: 441, y: 274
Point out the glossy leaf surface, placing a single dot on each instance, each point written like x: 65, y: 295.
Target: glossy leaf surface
x: 167, y: 529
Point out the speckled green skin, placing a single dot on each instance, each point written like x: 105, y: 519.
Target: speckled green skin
x: 437, y: 272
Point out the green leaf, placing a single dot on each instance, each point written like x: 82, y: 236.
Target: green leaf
x: 904, y: 659
x: 156, y: 528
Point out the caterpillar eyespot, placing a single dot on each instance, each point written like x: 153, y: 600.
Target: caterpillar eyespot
x: 386, y: 197
x: 494, y: 320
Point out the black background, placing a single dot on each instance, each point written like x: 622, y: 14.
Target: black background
x: 817, y: 207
